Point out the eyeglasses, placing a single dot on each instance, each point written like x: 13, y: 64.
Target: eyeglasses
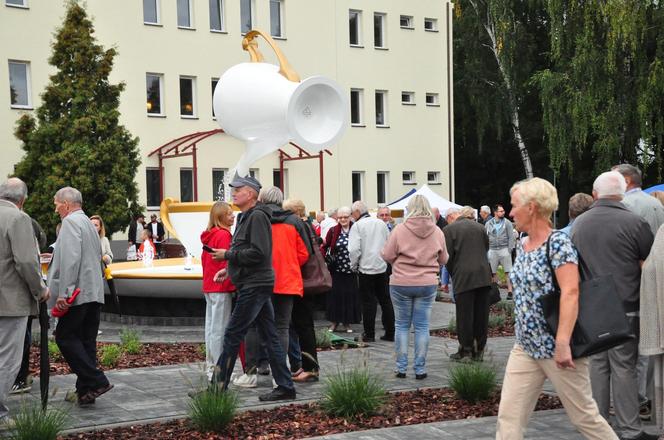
x: 341, y: 217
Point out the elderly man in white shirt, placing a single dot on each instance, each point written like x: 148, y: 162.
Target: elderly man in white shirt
x: 329, y: 222
x: 365, y: 243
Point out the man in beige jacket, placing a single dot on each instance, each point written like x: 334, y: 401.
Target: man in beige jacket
x: 21, y: 284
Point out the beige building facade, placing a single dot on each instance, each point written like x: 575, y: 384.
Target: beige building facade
x: 394, y: 59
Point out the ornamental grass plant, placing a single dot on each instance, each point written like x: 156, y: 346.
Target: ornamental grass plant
x: 110, y: 355
x: 473, y: 381
x: 213, y: 409
x: 31, y: 422
x: 131, y: 341
x: 353, y: 393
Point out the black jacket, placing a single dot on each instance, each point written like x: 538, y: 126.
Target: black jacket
x: 250, y: 255
x: 467, y: 244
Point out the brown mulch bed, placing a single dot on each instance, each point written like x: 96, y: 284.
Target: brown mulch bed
x: 506, y: 329
x: 307, y: 420
x: 151, y: 355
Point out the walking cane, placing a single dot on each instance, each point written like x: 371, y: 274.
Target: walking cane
x: 44, y: 364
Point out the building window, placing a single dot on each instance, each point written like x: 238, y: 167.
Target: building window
x: 187, y: 95
x: 431, y: 24
x: 151, y: 12
x: 356, y: 106
x: 433, y: 177
x: 214, y: 85
x: 153, y: 187
x: 381, y: 108
x: 185, y: 14
x: 19, y: 84
x: 432, y: 99
x: 154, y: 88
x: 218, y: 188
x: 408, y: 98
x: 217, y: 15
x: 246, y: 15
x: 379, y: 31
x: 186, y: 185
x: 358, y: 177
x: 253, y: 172
x: 276, y: 18
x: 406, y: 22
x: 381, y: 186
x: 276, y: 180
x: 355, y: 27
x: 17, y: 3
x: 408, y: 178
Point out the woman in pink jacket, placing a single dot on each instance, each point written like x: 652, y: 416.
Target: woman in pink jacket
x: 218, y: 296
x: 416, y: 250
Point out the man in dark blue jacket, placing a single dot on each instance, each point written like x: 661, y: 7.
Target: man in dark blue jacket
x: 250, y: 269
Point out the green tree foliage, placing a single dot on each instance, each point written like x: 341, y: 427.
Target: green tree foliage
x: 76, y: 139
x: 604, y: 91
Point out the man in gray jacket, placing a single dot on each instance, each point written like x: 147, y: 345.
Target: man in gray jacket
x: 21, y: 284
x: 77, y: 264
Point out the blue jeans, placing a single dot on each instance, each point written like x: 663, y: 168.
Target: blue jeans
x: 412, y: 306
x: 253, y: 305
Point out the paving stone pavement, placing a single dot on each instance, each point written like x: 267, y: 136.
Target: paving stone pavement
x: 142, y: 395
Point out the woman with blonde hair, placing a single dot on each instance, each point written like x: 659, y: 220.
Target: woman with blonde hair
x: 218, y: 298
x: 416, y: 250
x: 539, y: 354
x: 106, y: 253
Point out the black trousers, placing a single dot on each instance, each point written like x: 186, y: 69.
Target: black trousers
x: 374, y: 290
x: 76, y: 336
x: 303, y: 323
x: 472, y: 317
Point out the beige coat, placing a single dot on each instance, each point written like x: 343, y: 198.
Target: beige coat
x: 652, y: 299
x: 21, y: 282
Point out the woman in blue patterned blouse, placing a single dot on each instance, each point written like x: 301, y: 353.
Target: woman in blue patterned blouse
x: 538, y: 354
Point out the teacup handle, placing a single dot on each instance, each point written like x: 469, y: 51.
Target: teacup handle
x: 251, y: 45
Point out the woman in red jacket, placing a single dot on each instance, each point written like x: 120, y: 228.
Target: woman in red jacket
x: 218, y: 296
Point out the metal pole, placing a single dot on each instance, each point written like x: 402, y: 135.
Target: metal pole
x: 195, y: 173
x: 281, y: 171
x: 322, y: 189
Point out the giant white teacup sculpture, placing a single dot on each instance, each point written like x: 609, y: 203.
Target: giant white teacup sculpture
x: 267, y: 106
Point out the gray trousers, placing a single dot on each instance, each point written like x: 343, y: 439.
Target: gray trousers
x: 12, y: 336
x: 616, y: 369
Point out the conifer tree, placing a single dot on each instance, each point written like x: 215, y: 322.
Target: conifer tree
x: 76, y: 138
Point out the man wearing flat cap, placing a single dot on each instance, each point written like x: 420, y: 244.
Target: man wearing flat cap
x: 250, y: 268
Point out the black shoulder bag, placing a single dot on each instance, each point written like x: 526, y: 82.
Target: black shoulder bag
x: 601, y: 323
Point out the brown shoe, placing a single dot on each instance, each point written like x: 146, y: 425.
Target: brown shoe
x: 306, y: 376
x: 99, y: 391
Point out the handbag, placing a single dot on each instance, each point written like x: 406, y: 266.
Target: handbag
x: 601, y: 323
x: 494, y: 294
x: 316, y: 277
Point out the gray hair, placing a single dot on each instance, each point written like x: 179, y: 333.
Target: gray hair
x: 630, y: 171
x: 69, y: 194
x: 272, y: 195
x: 418, y: 206
x: 360, y: 206
x: 343, y: 210
x: 578, y: 204
x: 610, y: 184
x: 451, y: 211
x: 14, y: 189
x: 467, y: 212
x: 332, y: 211
x: 485, y: 209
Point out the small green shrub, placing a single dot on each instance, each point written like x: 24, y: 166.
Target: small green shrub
x: 507, y: 307
x: 452, y: 327
x: 54, y: 351
x: 323, y: 339
x: 473, y: 382
x: 110, y: 355
x: 201, y: 349
x: 496, y: 321
x: 213, y: 409
x: 502, y: 276
x: 33, y: 423
x: 131, y: 341
x: 353, y: 393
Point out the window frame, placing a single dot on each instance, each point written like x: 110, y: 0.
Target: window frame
x: 434, y: 24
x: 157, y: 7
x: 215, y: 191
x: 411, y: 100
x: 410, y: 20
x: 384, y: 95
x: 360, y: 174
x: 436, y: 180
x: 252, y: 16
x: 194, y: 103
x: 385, y: 176
x: 358, y: 28
x: 23, y: 5
x: 191, y: 25
x: 215, y: 81
x: 435, y: 99
x: 147, y: 188
x: 410, y: 181
x: 28, y: 82
x: 161, y: 113
x: 191, y: 172
x: 282, y: 35
x: 222, y: 18
x: 383, y: 30
x: 360, y: 105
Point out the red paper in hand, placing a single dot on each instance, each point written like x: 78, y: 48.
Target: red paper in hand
x: 57, y: 313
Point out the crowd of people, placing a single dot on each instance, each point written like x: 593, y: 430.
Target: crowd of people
x: 260, y: 306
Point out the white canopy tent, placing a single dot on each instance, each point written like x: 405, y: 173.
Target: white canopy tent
x: 434, y: 199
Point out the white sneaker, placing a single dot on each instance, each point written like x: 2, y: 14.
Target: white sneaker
x: 246, y: 381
